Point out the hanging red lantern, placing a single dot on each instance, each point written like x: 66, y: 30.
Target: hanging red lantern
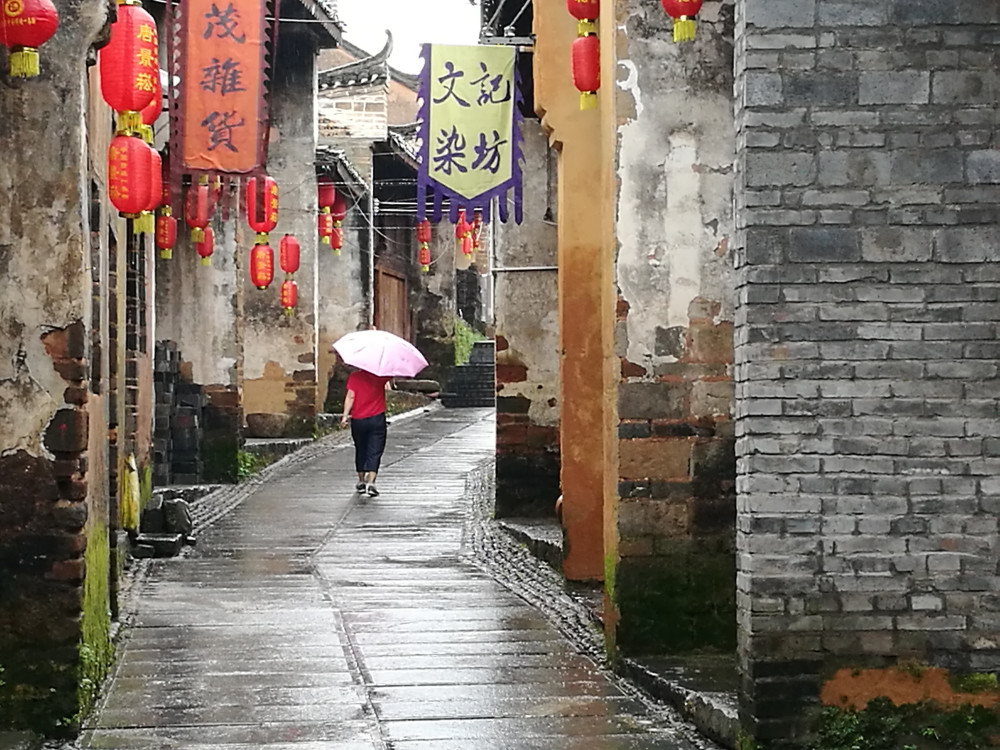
x: 586, y: 13
x: 460, y: 224
x: 467, y: 244
x: 146, y: 223
x: 337, y: 239
x: 338, y: 209
x: 683, y: 13
x: 289, y: 296
x: 288, y: 254
x: 424, y: 238
x: 326, y: 193
x: 129, y: 165
x: 196, y: 209
x: 166, y: 233
x: 206, y: 247
x: 25, y: 25
x: 324, y: 224
x: 262, y: 266
x: 130, y: 67
x: 151, y: 112
x: 262, y: 206
x: 477, y: 223
x: 587, y: 69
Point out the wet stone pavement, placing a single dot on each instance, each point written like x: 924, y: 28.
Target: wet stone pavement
x: 309, y: 618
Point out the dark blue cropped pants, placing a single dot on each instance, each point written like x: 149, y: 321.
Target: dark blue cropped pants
x: 369, y: 442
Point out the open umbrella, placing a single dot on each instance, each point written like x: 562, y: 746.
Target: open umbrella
x: 380, y: 353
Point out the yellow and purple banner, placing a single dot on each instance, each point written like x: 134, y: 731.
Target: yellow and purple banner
x: 470, y: 135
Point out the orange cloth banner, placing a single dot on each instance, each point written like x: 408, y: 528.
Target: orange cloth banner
x: 222, y: 85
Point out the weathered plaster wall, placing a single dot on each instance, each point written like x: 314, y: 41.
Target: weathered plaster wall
x: 527, y: 336
x: 432, y: 298
x: 676, y: 573
x: 280, y: 351
x: 197, y: 306
x: 45, y: 312
x: 341, y: 298
x: 354, y: 112
x: 866, y: 351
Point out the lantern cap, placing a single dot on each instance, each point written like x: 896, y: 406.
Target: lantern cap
x: 166, y: 253
x: 588, y: 100
x: 261, y: 238
x: 585, y: 27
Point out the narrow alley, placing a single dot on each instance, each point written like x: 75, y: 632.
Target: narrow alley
x: 306, y: 618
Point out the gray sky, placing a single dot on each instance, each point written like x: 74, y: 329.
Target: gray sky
x: 412, y: 23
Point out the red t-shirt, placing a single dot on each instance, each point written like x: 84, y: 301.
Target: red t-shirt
x: 369, y: 393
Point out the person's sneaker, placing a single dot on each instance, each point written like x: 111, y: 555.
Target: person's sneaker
x: 372, y: 492
x: 361, y: 487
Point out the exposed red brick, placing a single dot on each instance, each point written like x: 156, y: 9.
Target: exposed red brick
x: 502, y: 344
x: 67, y: 432
x: 67, y: 570
x: 542, y: 436
x: 702, y: 309
x: 710, y: 342
x: 71, y: 369
x: 76, y: 395
x: 511, y: 373
x: 621, y: 309
x: 73, y: 488
x: 632, y: 370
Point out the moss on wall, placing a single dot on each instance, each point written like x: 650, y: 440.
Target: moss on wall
x: 96, y: 651
x: 680, y: 601
x: 220, y: 459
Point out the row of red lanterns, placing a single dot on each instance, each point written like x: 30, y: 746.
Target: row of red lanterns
x: 467, y: 237
x: 332, y: 212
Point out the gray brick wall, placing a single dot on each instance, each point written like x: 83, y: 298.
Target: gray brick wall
x: 866, y: 341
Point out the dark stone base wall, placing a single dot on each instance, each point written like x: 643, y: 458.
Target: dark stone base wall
x: 676, y: 580
x: 527, y: 468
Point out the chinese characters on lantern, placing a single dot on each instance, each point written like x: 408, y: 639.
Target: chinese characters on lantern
x: 222, y: 89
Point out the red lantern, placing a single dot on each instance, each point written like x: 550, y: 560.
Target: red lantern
x: 166, y: 234
x: 586, y: 13
x: 151, y: 112
x: 460, y: 224
x: 146, y: 221
x: 587, y: 69
x: 262, y: 206
x: 424, y: 258
x: 324, y: 224
x: 288, y: 254
x: 206, y: 247
x: 424, y: 231
x: 338, y: 209
x: 683, y: 13
x: 424, y: 238
x: 129, y: 166
x: 326, y: 194
x: 130, y: 67
x: 467, y: 244
x: 337, y: 239
x: 477, y: 228
x: 26, y: 25
x: 289, y: 296
x: 261, y: 266
x: 196, y: 209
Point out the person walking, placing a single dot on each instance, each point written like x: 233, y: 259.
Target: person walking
x: 364, y: 407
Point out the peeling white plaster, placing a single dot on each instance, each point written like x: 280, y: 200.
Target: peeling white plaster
x: 683, y: 226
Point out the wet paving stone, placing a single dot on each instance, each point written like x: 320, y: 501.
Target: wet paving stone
x: 309, y: 618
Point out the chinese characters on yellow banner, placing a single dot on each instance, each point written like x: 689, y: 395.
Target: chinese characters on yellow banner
x: 470, y: 150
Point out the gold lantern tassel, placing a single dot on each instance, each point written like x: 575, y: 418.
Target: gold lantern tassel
x: 166, y: 253
x: 24, y: 63
x: 207, y: 261
x: 197, y: 234
x: 588, y: 100
x: 684, y: 29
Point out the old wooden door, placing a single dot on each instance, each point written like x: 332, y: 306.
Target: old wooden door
x: 391, y: 309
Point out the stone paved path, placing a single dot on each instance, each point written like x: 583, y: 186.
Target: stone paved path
x: 308, y: 618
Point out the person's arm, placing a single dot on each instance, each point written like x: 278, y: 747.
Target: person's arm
x: 348, y: 404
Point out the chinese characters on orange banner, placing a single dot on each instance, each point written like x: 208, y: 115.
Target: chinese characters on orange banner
x: 222, y: 91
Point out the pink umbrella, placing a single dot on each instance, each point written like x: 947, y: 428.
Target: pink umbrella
x: 380, y: 353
